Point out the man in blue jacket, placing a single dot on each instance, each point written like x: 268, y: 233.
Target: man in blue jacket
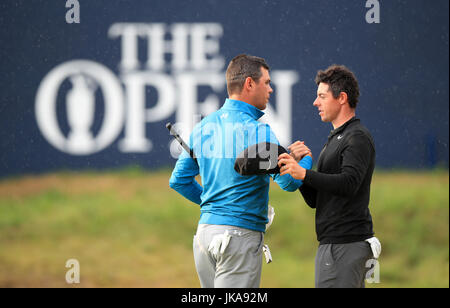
x: 234, y: 208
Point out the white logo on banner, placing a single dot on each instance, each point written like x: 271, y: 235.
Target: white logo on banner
x: 195, y: 62
x: 84, y: 76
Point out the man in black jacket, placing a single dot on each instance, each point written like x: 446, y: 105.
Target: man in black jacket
x: 340, y: 188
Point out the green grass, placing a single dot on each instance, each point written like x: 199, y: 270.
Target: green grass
x: 128, y: 229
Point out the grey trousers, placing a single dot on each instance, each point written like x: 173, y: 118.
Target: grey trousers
x: 342, y: 265
x: 240, y: 264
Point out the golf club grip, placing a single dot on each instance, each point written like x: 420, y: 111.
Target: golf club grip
x: 180, y: 140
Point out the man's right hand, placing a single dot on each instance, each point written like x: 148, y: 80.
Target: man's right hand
x: 298, y: 150
x: 288, y: 165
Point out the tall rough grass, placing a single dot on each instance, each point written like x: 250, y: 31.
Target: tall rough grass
x: 128, y: 229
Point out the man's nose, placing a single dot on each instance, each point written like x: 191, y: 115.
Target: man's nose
x: 316, y: 102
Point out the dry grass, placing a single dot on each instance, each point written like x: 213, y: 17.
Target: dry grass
x: 128, y: 229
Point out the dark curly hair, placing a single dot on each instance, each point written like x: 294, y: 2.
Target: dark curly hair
x: 340, y: 79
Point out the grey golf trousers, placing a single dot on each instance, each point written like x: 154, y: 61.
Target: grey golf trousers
x: 240, y: 264
x: 342, y: 265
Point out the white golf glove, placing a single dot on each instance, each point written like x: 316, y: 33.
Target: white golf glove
x: 375, y: 245
x: 267, y: 254
x: 266, y: 250
x: 219, y: 243
x: 270, y: 215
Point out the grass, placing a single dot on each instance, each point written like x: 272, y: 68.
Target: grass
x: 128, y: 229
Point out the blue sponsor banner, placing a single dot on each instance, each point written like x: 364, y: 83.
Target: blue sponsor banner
x: 91, y: 84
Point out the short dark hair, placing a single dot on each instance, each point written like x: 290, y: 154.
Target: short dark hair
x: 241, y: 67
x: 340, y: 79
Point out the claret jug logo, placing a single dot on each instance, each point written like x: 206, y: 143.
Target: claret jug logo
x: 85, y: 77
x: 180, y: 58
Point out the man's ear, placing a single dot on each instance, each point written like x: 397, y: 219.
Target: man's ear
x: 343, y: 98
x: 249, y: 83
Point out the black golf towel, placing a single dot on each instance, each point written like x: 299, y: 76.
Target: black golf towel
x: 261, y: 158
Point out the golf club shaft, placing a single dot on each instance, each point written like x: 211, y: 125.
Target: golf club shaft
x: 181, y: 141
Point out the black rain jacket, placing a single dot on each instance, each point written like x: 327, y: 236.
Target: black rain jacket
x: 340, y: 188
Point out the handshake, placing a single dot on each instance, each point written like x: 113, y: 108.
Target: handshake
x: 270, y: 158
x: 288, y: 163
x: 298, y: 150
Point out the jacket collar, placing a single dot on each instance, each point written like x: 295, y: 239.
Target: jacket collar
x: 232, y: 104
x: 342, y: 127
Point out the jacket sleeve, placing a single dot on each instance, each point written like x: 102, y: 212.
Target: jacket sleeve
x: 183, y: 178
x: 356, y: 158
x: 309, y: 195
